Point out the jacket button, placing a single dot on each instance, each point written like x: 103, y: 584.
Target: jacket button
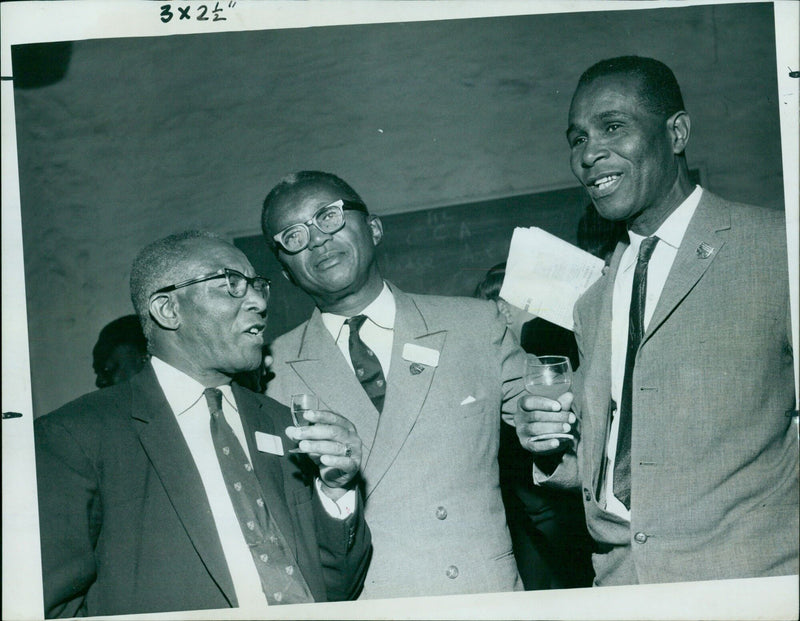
x: 587, y: 495
x: 441, y: 513
x: 640, y: 537
x: 452, y: 572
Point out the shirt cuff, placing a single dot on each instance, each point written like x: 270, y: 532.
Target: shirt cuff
x: 340, y: 509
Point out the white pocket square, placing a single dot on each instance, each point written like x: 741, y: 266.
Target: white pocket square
x: 468, y: 400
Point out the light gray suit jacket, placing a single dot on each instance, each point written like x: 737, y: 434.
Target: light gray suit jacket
x: 430, y: 459
x: 714, y: 453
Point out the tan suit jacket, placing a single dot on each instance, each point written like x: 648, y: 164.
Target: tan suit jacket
x: 714, y: 453
x: 430, y: 459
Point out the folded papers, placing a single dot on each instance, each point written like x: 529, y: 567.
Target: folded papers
x: 546, y: 275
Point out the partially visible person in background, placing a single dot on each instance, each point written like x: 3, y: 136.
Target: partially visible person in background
x: 548, y: 531
x: 547, y: 337
x: 120, y: 351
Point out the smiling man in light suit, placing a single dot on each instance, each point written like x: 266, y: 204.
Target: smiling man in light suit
x: 687, y: 456
x: 423, y: 378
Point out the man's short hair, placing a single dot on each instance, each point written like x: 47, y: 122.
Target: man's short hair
x: 125, y: 330
x: 658, y: 89
x: 489, y: 287
x: 157, y: 265
x: 295, y: 181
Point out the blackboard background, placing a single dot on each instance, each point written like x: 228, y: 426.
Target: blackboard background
x: 444, y: 250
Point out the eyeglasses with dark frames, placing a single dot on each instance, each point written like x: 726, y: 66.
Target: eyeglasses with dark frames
x: 328, y: 219
x: 236, y: 282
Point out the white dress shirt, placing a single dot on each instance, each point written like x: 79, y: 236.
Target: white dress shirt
x: 187, y: 401
x: 377, y: 332
x: 670, y: 235
x: 185, y: 397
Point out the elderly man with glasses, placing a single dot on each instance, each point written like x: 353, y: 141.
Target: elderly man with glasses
x: 178, y: 489
x: 422, y: 377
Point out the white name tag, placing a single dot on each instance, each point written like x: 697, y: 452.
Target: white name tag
x: 423, y: 355
x: 267, y: 443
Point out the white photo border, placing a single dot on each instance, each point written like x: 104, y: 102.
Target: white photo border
x: 28, y: 22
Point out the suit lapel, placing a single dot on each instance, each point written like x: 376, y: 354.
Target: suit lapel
x: 406, y: 391
x: 323, y: 369
x: 162, y: 440
x: 597, y: 376
x: 704, y: 237
x: 256, y: 417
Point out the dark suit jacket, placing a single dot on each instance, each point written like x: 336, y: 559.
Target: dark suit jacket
x: 125, y: 522
x: 714, y: 455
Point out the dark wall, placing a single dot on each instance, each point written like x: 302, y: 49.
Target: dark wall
x: 145, y: 136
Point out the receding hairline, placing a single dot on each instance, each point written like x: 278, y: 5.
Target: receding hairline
x: 657, y: 87
x: 297, y: 183
x: 162, y: 263
x: 636, y: 81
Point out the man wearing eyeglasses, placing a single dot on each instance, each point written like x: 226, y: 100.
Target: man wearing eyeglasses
x: 176, y: 489
x: 423, y: 378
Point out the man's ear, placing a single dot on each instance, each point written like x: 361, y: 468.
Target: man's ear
x: 679, y: 126
x: 376, y: 228
x: 505, y: 310
x: 164, y: 310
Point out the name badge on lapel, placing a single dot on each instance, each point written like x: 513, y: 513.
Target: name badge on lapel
x: 420, y: 355
x: 267, y: 443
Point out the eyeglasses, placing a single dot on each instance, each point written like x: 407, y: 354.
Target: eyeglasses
x: 236, y: 282
x: 329, y: 219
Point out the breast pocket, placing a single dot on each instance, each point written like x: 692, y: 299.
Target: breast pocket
x: 470, y: 408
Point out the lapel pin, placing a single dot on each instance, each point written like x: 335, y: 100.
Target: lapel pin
x: 704, y: 250
x: 416, y: 368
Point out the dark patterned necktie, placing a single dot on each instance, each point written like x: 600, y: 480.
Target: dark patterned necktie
x: 622, y: 463
x: 365, y: 364
x: 280, y: 576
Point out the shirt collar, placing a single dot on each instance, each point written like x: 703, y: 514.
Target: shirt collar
x: 381, y: 311
x: 182, y: 391
x: 673, y: 229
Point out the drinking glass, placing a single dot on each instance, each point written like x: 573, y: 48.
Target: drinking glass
x: 303, y: 403
x: 551, y: 377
